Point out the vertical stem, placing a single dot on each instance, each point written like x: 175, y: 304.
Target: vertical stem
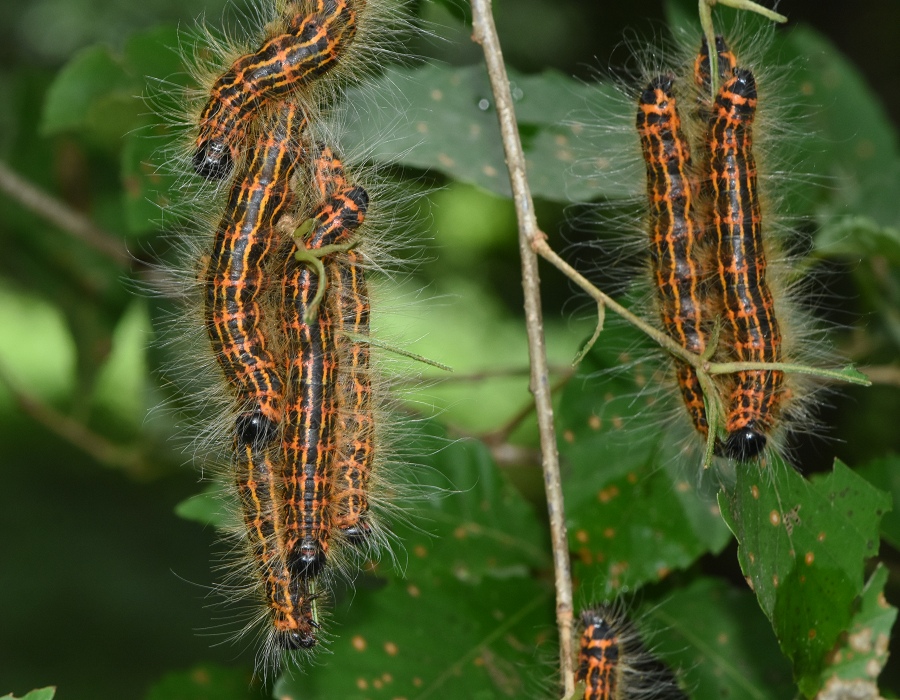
x: 485, y: 33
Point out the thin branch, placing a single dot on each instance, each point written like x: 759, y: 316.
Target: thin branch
x: 74, y: 432
x: 485, y: 33
x: 63, y: 216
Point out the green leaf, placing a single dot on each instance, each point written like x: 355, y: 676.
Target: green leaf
x: 147, y: 180
x: 862, y: 651
x: 885, y: 474
x: 803, y: 545
x: 858, y: 237
x: 444, y: 118
x: 91, y: 75
x: 203, y: 683
x: 856, y: 145
x: 481, y: 526
x: 721, y: 641
x: 41, y: 694
x: 210, y: 506
x: 434, y: 635
x: 635, y: 512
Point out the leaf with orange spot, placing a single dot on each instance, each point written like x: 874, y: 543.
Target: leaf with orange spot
x: 803, y: 545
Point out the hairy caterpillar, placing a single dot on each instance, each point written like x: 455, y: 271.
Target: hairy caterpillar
x: 356, y: 429
x: 751, y: 330
x: 676, y: 251
x: 310, y: 418
x: 244, y: 240
x: 286, y: 594
x: 613, y: 663
x: 316, y: 34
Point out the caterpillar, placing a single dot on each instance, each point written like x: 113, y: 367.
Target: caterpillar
x: 676, y: 250
x: 244, y: 240
x: 315, y: 38
x: 309, y: 438
x: 613, y: 663
x: 356, y: 447
x: 745, y: 301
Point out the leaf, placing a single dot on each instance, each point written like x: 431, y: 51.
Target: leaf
x: 203, y: 683
x: 434, y: 635
x: 93, y: 73
x: 207, y: 507
x: 885, y: 474
x: 442, y: 118
x: 721, y: 641
x: 481, y: 526
x: 803, y: 545
x: 634, y: 510
x: 40, y: 694
x: 147, y: 180
x: 856, y: 145
x: 862, y: 652
x: 858, y: 237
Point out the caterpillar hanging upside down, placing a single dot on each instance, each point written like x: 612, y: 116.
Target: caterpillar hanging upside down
x: 310, y: 439
x: 750, y: 330
x: 316, y: 35
x: 676, y: 251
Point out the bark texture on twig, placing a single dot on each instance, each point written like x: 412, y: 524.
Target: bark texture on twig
x: 485, y: 33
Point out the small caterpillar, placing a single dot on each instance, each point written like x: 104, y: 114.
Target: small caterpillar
x: 613, y: 663
x: 745, y: 302
x: 309, y: 438
x: 314, y: 41
x: 235, y: 276
x: 676, y: 251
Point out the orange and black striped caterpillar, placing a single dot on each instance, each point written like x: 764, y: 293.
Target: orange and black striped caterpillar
x: 750, y: 330
x: 317, y: 32
x: 613, y: 663
x: 310, y: 429
x: 676, y: 250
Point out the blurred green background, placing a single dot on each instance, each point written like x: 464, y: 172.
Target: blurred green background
x: 102, y: 587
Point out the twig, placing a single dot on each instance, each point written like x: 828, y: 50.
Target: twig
x: 74, y: 432
x: 485, y: 33
x: 56, y: 212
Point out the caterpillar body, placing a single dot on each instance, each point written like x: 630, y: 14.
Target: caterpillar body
x: 316, y: 35
x: 676, y: 251
x: 614, y: 664
x: 356, y: 423
x: 751, y: 330
x: 310, y: 440
x: 286, y: 594
x: 244, y: 241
